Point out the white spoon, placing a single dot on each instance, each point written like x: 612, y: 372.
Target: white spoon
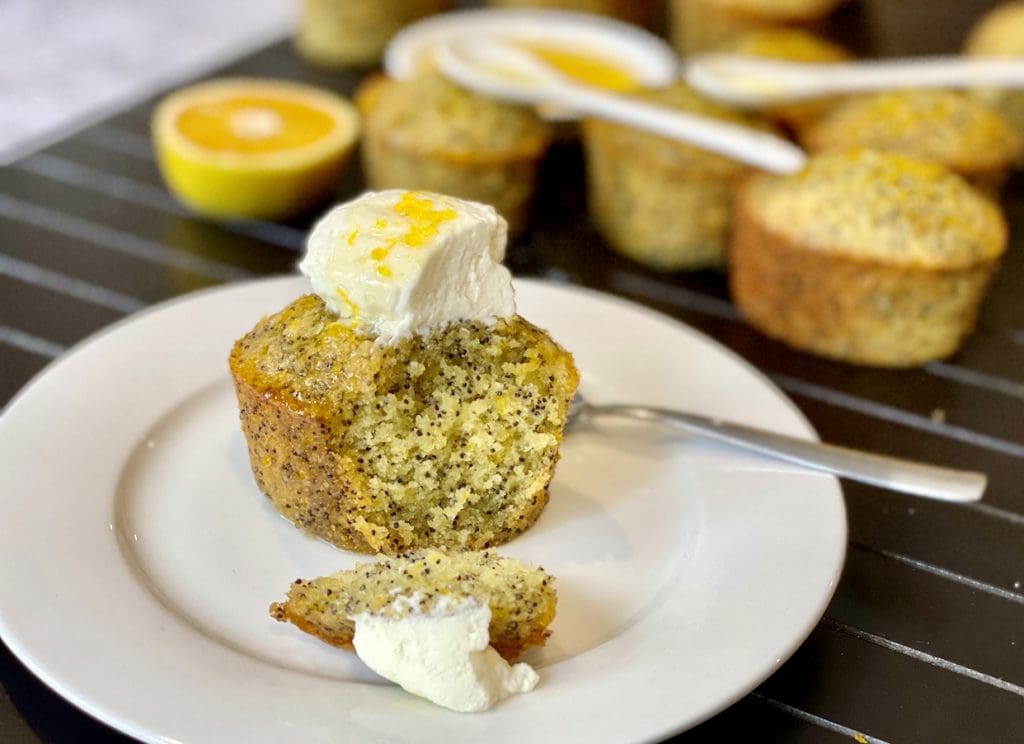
x: 499, y: 69
x: 756, y: 82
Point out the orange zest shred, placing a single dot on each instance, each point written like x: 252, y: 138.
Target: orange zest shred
x: 352, y: 307
x: 425, y: 221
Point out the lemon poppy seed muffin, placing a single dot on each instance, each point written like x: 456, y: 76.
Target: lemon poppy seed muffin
x: 787, y: 43
x: 428, y: 133
x: 405, y: 405
x: 1000, y: 33
x: 707, y: 25
x: 791, y: 45
x: 354, y: 33
x: 521, y: 598
x: 657, y: 201
x: 948, y: 127
x: 869, y: 257
x: 443, y: 439
x: 640, y: 12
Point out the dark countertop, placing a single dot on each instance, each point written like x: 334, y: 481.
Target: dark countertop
x: 924, y: 639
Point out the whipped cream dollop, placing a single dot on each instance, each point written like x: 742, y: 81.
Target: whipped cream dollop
x: 395, y: 263
x: 442, y: 654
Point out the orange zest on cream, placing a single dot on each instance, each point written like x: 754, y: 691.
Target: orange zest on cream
x: 353, y: 307
x: 394, y: 263
x: 424, y: 222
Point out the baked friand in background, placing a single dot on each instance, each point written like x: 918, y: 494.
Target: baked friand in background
x: 429, y: 418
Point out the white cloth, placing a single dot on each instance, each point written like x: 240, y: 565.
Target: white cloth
x: 67, y: 63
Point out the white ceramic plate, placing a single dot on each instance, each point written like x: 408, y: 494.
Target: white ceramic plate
x: 647, y: 58
x: 141, y: 558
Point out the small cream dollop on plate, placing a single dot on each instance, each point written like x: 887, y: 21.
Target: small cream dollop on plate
x: 443, y: 654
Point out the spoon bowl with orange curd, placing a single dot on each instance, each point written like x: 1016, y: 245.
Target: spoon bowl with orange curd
x: 590, y: 50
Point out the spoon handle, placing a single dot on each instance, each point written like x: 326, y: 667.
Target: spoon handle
x: 893, y: 473
x: 755, y: 81
x: 946, y: 72
x: 760, y: 149
x: 495, y: 68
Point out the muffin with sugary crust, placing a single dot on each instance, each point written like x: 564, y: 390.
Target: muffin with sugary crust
x: 707, y: 25
x: 787, y: 43
x: 657, y: 201
x: 948, y: 127
x: 521, y: 598
x: 869, y: 257
x: 791, y: 45
x: 1000, y: 33
x: 428, y: 133
x: 640, y: 12
x: 354, y: 33
x: 446, y: 439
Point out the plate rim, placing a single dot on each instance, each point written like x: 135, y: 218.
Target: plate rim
x: 125, y: 723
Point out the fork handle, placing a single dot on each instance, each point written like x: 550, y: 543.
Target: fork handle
x: 894, y: 473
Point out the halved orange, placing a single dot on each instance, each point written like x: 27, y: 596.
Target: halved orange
x: 253, y: 148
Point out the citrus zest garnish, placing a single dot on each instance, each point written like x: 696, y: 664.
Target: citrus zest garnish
x: 425, y: 221
x: 353, y: 308
x: 352, y: 237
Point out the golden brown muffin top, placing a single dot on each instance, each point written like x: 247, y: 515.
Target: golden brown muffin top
x: 949, y: 127
x: 878, y: 206
x: 521, y: 597
x: 485, y: 576
x: 431, y: 115
x: 791, y: 44
x: 670, y: 153
x: 307, y: 356
x: 999, y: 33
x: 775, y: 10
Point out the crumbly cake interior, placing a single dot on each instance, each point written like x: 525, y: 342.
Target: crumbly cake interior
x: 447, y: 439
x: 521, y: 598
x: 461, y: 423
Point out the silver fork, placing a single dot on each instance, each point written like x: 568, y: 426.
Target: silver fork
x: 906, y: 476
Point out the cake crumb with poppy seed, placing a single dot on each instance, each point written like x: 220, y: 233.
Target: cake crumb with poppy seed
x: 449, y: 463
x: 521, y: 598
